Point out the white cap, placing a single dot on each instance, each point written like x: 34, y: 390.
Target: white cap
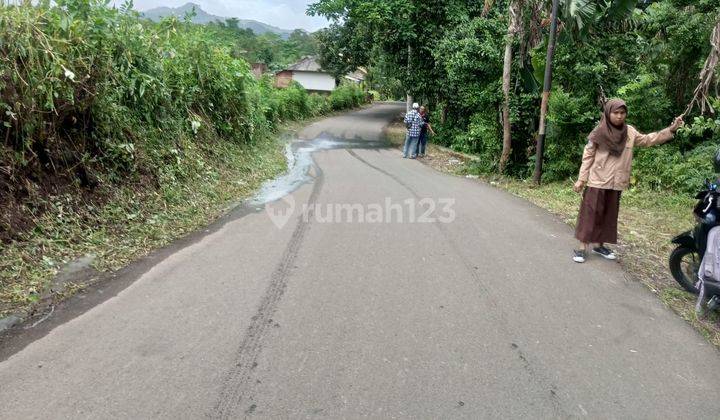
x: 415, y: 105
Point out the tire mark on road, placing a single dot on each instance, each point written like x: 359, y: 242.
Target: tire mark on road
x: 384, y: 172
x: 540, y: 380
x: 238, y: 381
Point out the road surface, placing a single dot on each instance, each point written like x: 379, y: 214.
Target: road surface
x: 323, y: 304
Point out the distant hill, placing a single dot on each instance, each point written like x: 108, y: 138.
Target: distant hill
x: 203, y: 17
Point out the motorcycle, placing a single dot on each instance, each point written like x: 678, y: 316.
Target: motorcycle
x: 691, y: 245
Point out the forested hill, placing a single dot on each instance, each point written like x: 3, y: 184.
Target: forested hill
x: 202, y: 17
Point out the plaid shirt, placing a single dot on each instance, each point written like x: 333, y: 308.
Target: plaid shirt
x: 413, y: 117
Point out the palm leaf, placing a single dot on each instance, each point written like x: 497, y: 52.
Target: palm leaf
x: 620, y: 9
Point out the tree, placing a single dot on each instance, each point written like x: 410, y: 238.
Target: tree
x: 343, y: 48
x: 404, y: 32
x: 582, y: 16
x: 546, y: 92
x: 233, y: 23
x: 514, y: 26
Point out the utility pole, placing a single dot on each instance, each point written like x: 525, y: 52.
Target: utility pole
x: 546, y: 94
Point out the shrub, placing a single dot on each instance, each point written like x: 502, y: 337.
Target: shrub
x: 481, y: 138
x: 668, y: 167
x: 569, y: 123
x: 346, y: 96
x: 317, y: 104
x: 648, y: 107
x: 88, y: 91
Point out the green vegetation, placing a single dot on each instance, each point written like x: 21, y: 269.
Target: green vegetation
x: 269, y: 48
x: 120, y: 134
x: 128, y: 221
x: 450, y: 56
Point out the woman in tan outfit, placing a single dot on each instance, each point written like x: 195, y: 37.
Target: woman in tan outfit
x: 605, y: 171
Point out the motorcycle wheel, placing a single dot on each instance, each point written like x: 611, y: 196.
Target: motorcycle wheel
x: 684, y: 265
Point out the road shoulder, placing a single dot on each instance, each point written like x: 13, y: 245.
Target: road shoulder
x: 648, y: 221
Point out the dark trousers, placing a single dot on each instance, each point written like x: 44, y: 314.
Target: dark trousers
x: 422, y: 142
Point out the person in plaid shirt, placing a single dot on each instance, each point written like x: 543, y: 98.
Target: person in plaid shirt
x: 414, y: 123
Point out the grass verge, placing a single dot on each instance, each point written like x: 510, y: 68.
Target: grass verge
x: 648, y: 221
x: 129, y: 221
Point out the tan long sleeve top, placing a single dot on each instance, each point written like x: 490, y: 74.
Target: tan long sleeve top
x: 600, y: 169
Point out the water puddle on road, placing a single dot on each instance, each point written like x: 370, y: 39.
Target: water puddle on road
x: 299, y: 161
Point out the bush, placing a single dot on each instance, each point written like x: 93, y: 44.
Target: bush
x: 88, y: 91
x: 481, y: 138
x: 346, y: 96
x: 668, y: 167
x: 665, y: 168
x: 317, y: 104
x: 648, y: 106
x: 569, y: 123
x: 97, y: 85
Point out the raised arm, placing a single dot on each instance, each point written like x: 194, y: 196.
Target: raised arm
x: 652, y: 139
x: 658, y: 137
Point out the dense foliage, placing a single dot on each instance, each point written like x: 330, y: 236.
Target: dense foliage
x: 91, y: 95
x: 451, y: 57
x: 268, y: 48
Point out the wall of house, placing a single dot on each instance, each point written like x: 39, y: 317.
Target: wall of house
x: 283, y: 79
x: 314, y: 80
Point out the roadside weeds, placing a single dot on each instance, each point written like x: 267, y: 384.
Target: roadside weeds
x: 73, y: 247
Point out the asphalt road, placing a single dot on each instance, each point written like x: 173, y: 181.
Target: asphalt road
x: 323, y: 304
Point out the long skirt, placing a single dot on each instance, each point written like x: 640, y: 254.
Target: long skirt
x: 598, y: 216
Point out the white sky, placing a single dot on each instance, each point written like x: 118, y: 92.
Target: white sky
x: 285, y: 14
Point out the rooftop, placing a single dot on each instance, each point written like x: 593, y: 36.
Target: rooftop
x: 306, y: 64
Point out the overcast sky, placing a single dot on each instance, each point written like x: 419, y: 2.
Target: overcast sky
x: 285, y: 14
